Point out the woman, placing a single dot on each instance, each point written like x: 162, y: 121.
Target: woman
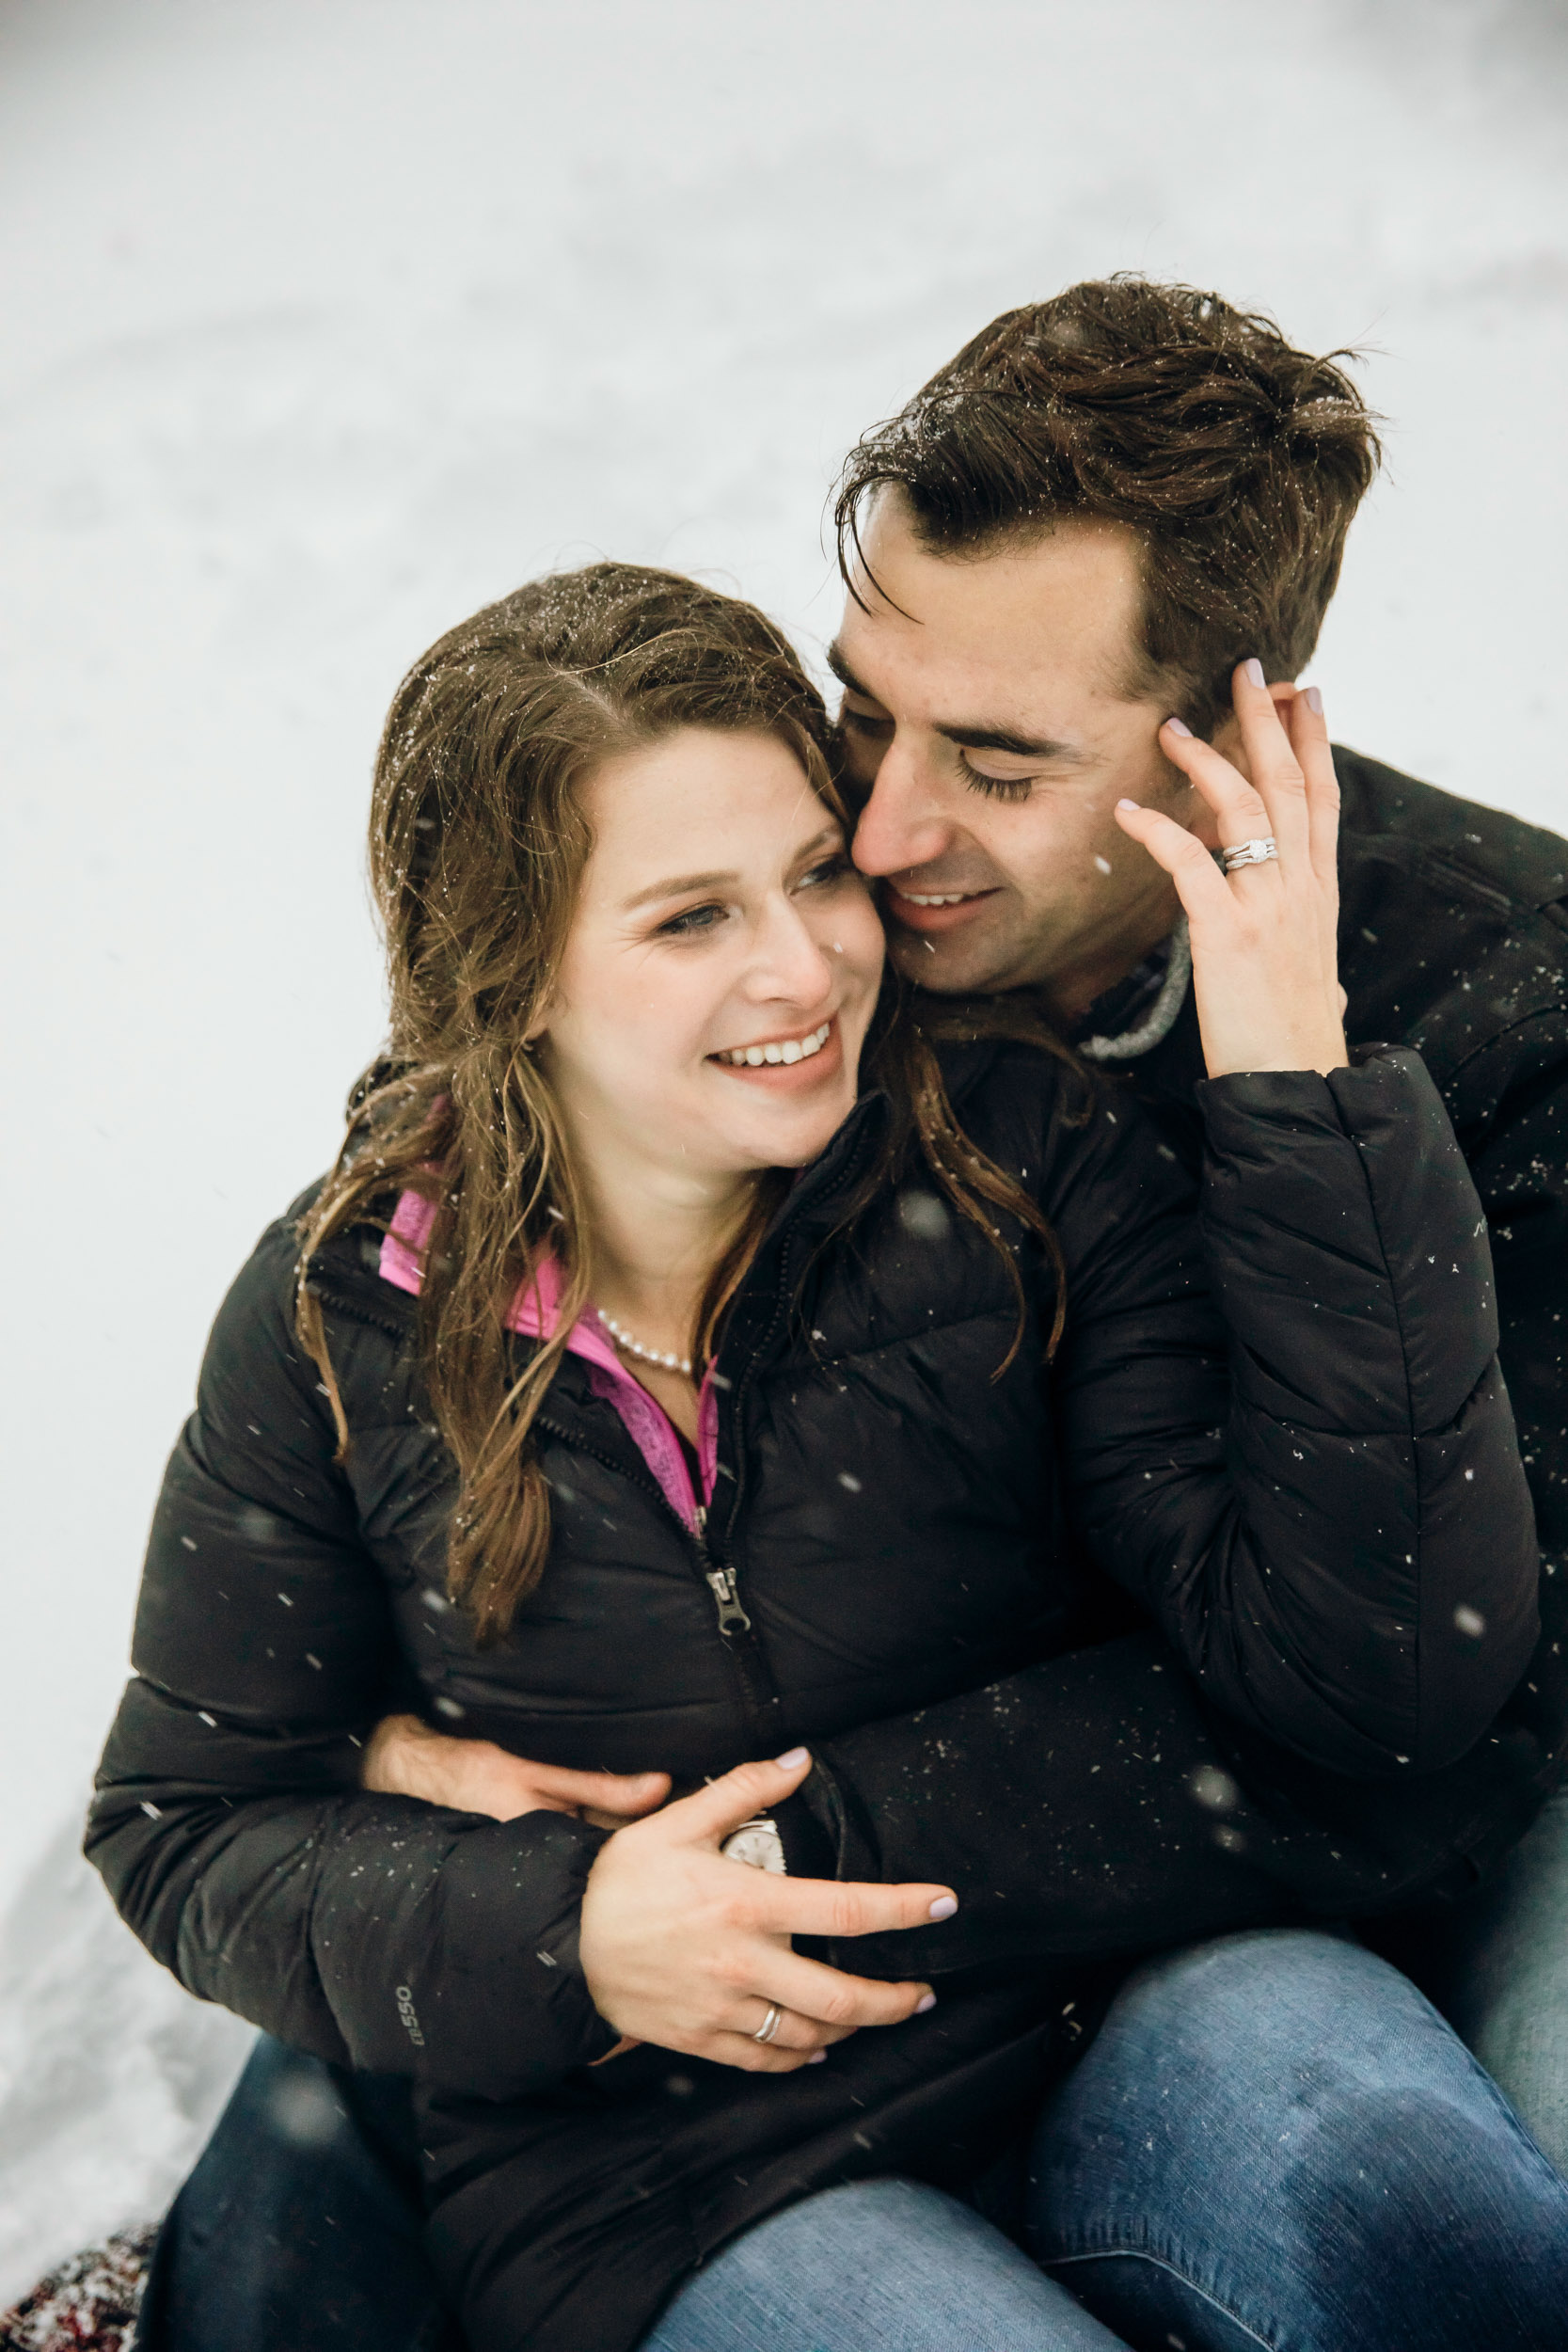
x: 656, y: 1383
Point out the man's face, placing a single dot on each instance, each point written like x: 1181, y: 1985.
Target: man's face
x: 988, y: 714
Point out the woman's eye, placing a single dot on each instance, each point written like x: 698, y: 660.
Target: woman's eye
x: 692, y: 924
x: 829, y: 871
x: 995, y: 788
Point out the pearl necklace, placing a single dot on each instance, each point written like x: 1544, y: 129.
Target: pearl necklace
x: 623, y: 1340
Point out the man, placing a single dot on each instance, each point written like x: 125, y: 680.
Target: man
x: 1077, y: 529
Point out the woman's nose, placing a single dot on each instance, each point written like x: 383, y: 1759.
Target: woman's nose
x: 789, y: 961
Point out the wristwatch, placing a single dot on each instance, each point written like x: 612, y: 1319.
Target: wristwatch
x: 758, y: 1842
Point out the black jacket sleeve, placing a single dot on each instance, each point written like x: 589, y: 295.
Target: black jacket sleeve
x: 1095, y: 1804
x: 228, y: 1820
x: 1333, y: 1529
x: 1511, y: 1107
x: 1336, y: 1540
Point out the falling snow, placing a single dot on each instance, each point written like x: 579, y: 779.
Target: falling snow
x: 266, y: 443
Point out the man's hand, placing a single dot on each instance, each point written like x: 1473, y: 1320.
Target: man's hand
x: 690, y: 1951
x: 405, y: 1757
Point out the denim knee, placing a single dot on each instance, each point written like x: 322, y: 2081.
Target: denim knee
x: 296, y: 2228
x: 1282, y: 2126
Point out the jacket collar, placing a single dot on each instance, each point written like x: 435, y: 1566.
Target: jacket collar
x: 535, y: 1315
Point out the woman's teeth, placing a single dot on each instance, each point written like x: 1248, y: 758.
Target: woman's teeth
x: 793, y: 1049
x: 945, y: 899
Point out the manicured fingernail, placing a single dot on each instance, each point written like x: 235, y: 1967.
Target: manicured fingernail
x: 1254, y: 673
x: 944, y: 1906
x: 1315, y: 699
x: 1178, y: 727
x: 792, y: 1756
x: 1127, y: 804
x: 927, y: 2001
x: 816, y: 2057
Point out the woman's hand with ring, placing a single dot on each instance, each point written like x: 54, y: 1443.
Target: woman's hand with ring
x: 1265, y: 957
x: 689, y: 1951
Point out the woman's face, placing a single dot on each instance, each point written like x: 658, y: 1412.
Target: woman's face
x: 722, y: 963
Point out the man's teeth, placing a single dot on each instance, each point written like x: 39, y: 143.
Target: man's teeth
x: 793, y: 1049
x: 931, y: 898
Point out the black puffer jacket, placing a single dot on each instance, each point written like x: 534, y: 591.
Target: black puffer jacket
x: 1338, y: 1545
x: 1453, y: 939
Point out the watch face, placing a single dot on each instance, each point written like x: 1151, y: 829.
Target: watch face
x: 758, y: 1843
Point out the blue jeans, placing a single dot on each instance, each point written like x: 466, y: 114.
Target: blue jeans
x: 1274, y: 2139
x: 1281, y: 2143
x: 1499, y: 1974
x: 301, y: 2228
x: 880, y: 2263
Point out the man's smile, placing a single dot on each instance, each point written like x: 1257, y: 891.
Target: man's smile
x: 934, y: 911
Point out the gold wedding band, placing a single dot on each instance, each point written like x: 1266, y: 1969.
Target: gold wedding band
x: 1251, y: 853
x: 769, y: 2024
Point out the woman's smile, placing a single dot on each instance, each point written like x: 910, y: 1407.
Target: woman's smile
x: 789, y: 1064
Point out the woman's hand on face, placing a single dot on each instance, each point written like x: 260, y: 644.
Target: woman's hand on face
x: 405, y: 1757
x: 1264, y: 938
x: 689, y: 1951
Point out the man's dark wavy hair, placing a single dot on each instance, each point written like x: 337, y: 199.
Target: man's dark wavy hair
x: 1238, y: 460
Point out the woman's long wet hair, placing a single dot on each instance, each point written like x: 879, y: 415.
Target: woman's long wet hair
x: 478, y: 846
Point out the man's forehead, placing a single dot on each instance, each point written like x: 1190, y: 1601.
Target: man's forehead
x: 1054, y: 615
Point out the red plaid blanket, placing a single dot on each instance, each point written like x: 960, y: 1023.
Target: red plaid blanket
x: 89, y: 2304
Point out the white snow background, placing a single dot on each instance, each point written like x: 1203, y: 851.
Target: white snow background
x: 325, y: 321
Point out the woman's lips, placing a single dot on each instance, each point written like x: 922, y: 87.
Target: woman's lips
x: 914, y: 917
x: 790, y: 1077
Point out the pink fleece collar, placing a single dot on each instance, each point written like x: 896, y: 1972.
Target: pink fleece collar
x: 535, y: 1313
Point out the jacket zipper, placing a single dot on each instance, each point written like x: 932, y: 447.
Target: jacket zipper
x: 732, y: 1618
x: 734, y: 1625
x: 720, y: 1583
x: 735, y: 1629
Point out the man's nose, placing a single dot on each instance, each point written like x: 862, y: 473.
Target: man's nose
x: 899, y: 826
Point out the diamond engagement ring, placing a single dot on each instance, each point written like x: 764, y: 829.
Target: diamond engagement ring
x: 769, y: 2024
x: 1251, y: 853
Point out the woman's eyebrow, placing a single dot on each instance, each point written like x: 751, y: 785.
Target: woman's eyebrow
x: 817, y: 841
x: 677, y: 885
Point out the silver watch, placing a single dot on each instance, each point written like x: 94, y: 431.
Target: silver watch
x: 756, y: 1842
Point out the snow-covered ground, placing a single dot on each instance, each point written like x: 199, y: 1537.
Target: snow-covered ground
x: 326, y: 320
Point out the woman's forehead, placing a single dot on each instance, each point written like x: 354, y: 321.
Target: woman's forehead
x: 699, y: 802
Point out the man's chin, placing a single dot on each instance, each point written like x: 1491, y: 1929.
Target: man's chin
x: 972, y: 962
